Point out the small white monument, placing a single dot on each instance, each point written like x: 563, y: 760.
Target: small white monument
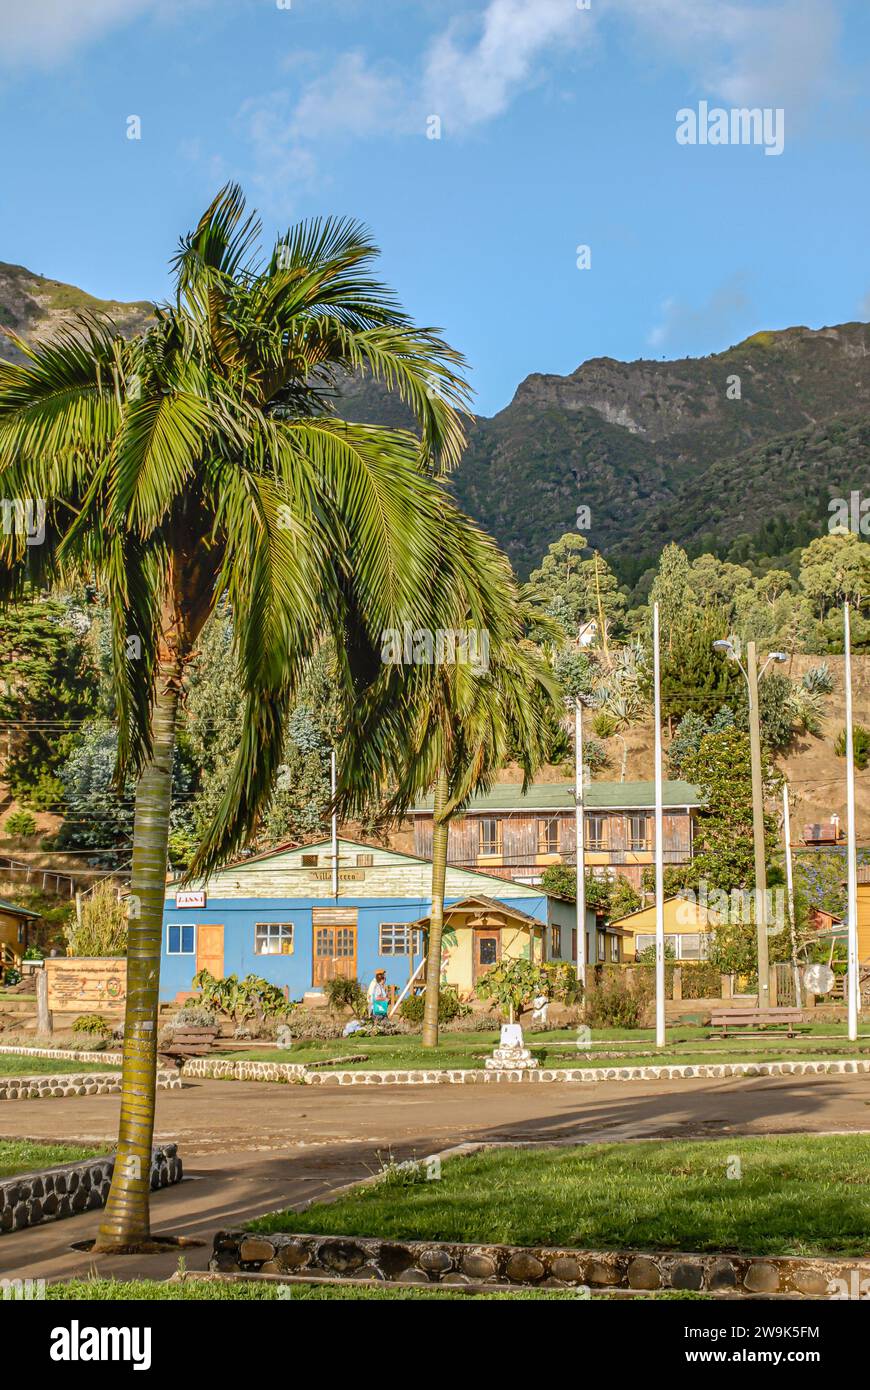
x: 511, y: 1053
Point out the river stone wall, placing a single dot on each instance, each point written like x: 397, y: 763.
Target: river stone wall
x: 289, y: 1072
x: 30, y: 1199
x: 446, y: 1263
x: 94, y: 1083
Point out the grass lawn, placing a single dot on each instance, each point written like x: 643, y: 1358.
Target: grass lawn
x: 796, y: 1195
x: 12, y: 1065
x: 27, y: 1156
x: 611, y: 1047
x: 193, y: 1288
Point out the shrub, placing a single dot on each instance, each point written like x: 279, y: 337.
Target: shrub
x: 103, y: 927
x: 617, y: 1001
x: 604, y: 724
x: 318, y: 1025
x: 19, y: 825
x: 194, y: 1016
x: 513, y: 984
x: 450, y: 1007
x: 93, y: 1024
x: 344, y: 993
x: 252, y: 998
x: 860, y: 745
x: 701, y: 980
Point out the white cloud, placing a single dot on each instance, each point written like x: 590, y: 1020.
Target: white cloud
x: 352, y: 98
x: 686, y: 327
x: 44, y: 33
x: 467, y: 84
x: 771, y: 53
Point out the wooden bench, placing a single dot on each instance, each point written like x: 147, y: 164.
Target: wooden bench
x: 760, y: 1020
x: 188, y: 1042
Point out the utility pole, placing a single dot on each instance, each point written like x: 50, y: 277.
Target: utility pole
x: 659, y: 845
x: 332, y: 780
x: 758, y: 829
x: 581, y: 841
x: 851, y: 850
x: 789, y: 879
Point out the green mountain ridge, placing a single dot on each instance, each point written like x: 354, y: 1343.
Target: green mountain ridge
x: 657, y: 450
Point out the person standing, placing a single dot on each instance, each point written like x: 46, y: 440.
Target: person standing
x: 377, y: 995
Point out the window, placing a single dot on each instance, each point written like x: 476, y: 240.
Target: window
x: 394, y: 939
x: 273, y: 938
x: 555, y: 943
x: 548, y: 836
x: 614, y: 949
x: 309, y: 861
x: 637, y: 837
x: 488, y: 950
x: 488, y: 835
x: 689, y: 946
x: 180, y: 939
x: 365, y: 861
x: 601, y: 944
x: 594, y: 832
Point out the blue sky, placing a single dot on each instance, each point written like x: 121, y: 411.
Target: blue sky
x: 557, y: 130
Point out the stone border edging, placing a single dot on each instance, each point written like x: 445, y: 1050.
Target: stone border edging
x: 62, y: 1054
x: 30, y: 1199
x: 239, y: 1070
x: 448, y: 1263
x: 95, y: 1083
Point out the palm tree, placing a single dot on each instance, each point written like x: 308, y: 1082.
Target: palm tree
x: 466, y: 722
x: 498, y: 716
x: 204, y: 462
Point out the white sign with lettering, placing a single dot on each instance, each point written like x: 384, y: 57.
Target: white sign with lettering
x: 190, y: 897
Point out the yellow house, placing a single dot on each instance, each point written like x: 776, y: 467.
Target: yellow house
x: 864, y: 913
x: 479, y: 932
x: 14, y: 922
x: 686, y: 925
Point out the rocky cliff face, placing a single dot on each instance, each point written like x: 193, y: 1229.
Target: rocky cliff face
x: 34, y: 308
x: 674, y: 450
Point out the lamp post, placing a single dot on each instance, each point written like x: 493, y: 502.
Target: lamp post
x: 752, y: 676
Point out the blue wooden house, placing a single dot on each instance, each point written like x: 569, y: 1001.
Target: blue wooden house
x: 288, y: 916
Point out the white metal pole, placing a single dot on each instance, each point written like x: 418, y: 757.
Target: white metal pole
x: 581, y: 842
x: 851, y: 851
x: 789, y: 880
x: 334, y: 828
x: 659, y: 840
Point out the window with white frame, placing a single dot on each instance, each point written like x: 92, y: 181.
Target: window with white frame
x: 548, y: 835
x: 489, y: 836
x: 637, y: 832
x: 273, y: 938
x: 396, y: 938
x: 180, y: 938
x: 594, y: 832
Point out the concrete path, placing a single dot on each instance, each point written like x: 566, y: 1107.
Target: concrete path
x: 252, y: 1147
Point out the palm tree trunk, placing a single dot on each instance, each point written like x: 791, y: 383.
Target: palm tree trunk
x: 440, y: 836
x: 126, y: 1220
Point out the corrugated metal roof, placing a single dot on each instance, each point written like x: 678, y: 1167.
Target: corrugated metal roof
x: 13, y: 907
x: 559, y: 796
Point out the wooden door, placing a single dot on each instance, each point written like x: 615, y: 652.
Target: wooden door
x: 486, y: 947
x: 334, y: 949
x: 210, y: 948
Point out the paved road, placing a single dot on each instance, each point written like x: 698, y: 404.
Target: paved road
x: 250, y: 1147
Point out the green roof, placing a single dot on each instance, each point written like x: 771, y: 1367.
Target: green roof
x: 13, y: 907
x: 559, y: 796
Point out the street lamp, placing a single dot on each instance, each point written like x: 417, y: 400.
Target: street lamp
x: 752, y: 676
